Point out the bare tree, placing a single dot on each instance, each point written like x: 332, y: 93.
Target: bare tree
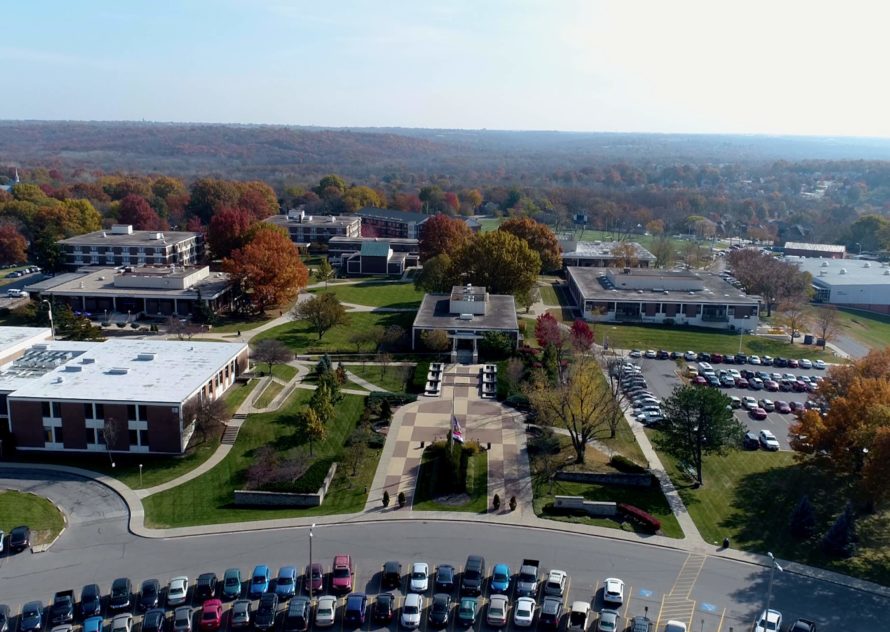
x: 794, y: 316
x: 110, y: 432
x: 384, y: 359
x: 272, y: 352
x: 358, y: 446
x: 209, y: 415
x: 827, y: 323
x: 183, y: 328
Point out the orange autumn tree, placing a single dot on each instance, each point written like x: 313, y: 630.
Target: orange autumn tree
x: 267, y: 268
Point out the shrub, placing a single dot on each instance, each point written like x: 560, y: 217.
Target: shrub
x: 624, y: 464
x: 496, y: 502
x: 512, y: 503
x: 635, y: 514
x: 544, y: 442
x: 840, y: 540
x: 402, y: 499
x: 376, y: 441
x: 519, y: 402
x: 394, y: 399
x: 386, y: 498
x: 418, y: 380
x: 803, y: 519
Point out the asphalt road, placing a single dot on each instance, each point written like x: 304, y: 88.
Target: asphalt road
x: 721, y: 594
x: 662, y: 378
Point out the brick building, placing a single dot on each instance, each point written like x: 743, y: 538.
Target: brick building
x: 123, y: 246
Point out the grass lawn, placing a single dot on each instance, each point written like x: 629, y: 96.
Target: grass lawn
x: 377, y: 294
x: 732, y: 504
x: 208, y: 498
x: 428, y: 486
x: 686, y: 338
x: 549, y: 295
x: 17, y: 508
x: 269, y: 393
x: 237, y: 394
x: 284, y: 372
x: 490, y: 223
x: 872, y: 330
x: 394, y: 379
x: 300, y: 338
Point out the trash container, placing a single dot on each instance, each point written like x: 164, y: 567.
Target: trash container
x: 808, y: 339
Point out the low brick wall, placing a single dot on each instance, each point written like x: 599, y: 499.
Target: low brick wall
x: 591, y: 507
x: 623, y: 480
x: 248, y: 497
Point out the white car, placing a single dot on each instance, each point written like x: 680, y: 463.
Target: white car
x: 2, y: 540
x: 749, y: 403
x: 498, y: 607
x: 613, y: 591
x: 609, y: 621
x: 325, y: 611
x: 524, y: 613
x: 420, y: 577
x: 556, y: 583
x: 650, y: 353
x: 768, y: 441
x: 734, y: 402
x: 124, y: 623
x: 805, y: 364
x: 411, y: 610
x: 768, y: 621
x: 818, y: 364
x: 177, y: 591
x: 579, y: 617
x: 690, y: 356
x: 674, y: 626
x: 753, y: 359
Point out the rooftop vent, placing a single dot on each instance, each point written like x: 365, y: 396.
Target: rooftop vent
x: 824, y: 264
x: 148, y: 355
x: 843, y: 270
x: 867, y: 265
x: 41, y: 347
x: 88, y: 361
x: 73, y: 368
x: 58, y: 379
x: 465, y: 317
x: 120, y: 370
x: 887, y: 272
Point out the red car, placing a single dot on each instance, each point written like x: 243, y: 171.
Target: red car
x: 799, y: 386
x: 716, y: 358
x: 341, y: 574
x: 771, y: 385
x: 741, y: 383
x: 782, y: 407
x: 700, y: 380
x: 314, y: 578
x: 757, y: 413
x: 796, y: 407
x: 211, y: 615
x: 793, y: 364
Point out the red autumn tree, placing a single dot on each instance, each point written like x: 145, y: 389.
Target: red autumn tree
x: 228, y: 230
x: 442, y: 234
x: 548, y: 331
x: 13, y: 247
x: 268, y: 268
x: 539, y: 238
x: 135, y: 210
x: 258, y: 199
x: 581, y: 335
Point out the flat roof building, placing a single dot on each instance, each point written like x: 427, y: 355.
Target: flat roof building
x: 600, y: 254
x: 661, y: 296
x: 145, y: 290
x: 849, y: 283
x: 338, y: 246
x: 466, y: 315
x: 317, y: 229
x: 386, y: 222
x: 829, y: 251
x: 121, y: 395
x: 123, y: 246
x: 376, y: 258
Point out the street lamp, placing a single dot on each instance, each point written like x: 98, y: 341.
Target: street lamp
x: 769, y: 591
x: 310, y: 561
x: 49, y: 311
x: 140, y: 475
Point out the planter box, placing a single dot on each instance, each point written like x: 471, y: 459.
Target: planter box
x: 248, y: 497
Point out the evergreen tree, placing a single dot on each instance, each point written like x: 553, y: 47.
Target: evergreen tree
x: 803, y: 519
x: 840, y: 540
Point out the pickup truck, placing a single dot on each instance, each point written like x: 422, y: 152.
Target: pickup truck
x: 62, y: 610
x: 527, y: 582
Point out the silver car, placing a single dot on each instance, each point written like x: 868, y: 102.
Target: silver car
x: 325, y: 611
x: 182, y: 619
x: 122, y: 623
x: 242, y: 614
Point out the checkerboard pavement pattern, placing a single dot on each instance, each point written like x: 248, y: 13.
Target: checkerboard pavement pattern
x: 429, y: 419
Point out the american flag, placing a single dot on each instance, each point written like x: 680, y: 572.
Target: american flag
x: 456, y: 433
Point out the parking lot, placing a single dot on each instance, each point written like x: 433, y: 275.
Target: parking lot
x: 662, y: 378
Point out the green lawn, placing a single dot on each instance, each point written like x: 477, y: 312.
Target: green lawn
x: 749, y: 497
x: 377, y: 294
x: 426, y: 492
x: 208, y: 498
x: 299, y: 337
x: 872, y: 330
x: 17, y: 508
x: 549, y: 295
x: 394, y: 379
x: 284, y: 372
x: 269, y: 393
x: 490, y: 223
x: 685, y: 338
x: 237, y: 394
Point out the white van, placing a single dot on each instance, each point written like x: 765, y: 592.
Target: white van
x: 14, y: 293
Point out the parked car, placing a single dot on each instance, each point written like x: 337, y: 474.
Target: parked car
x: 551, y: 613
x: 93, y: 624
x: 771, y: 385
x: 802, y: 625
x: 342, y: 572
x: 817, y: 364
x: 805, y: 363
x: 444, y: 580
x: 735, y: 402
x: 641, y: 624
x: 755, y: 384
x: 122, y: 623
x: 467, y: 611
x: 609, y: 621
x: 768, y: 440
x: 440, y: 608
x: 674, y: 626
x: 149, y: 594
x: 651, y: 354
x: 90, y: 601
x: 19, y: 539
x: 768, y: 405
x: 498, y: 610
x: 768, y: 621
x: 757, y: 413
x: 556, y: 583
x: 121, y: 594
x: 155, y: 620
x: 232, y: 583
x: 613, y: 591
x: 751, y: 441
x: 411, y: 610
x: 177, y: 591
x: 205, y: 587
x: 286, y: 582
x: 326, y: 611
x: 473, y: 575
x: 690, y: 356
x: 242, y: 614
x: 299, y: 610
x: 259, y: 580
x: 782, y: 407
x: 749, y: 402
x: 754, y: 359
x: 211, y: 615
x: 313, y: 580
x: 264, y: 619
x: 31, y: 619
x: 796, y: 406
x: 420, y: 577
x: 793, y: 364
x: 356, y: 610
x: 182, y: 619
x: 384, y: 607
x: 579, y: 617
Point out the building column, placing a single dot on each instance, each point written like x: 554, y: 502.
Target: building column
x: 114, y: 303
x: 176, y: 307
x: 475, y: 351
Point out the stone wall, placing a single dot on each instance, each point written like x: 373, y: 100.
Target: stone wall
x: 626, y: 480
x: 591, y: 507
x: 247, y: 497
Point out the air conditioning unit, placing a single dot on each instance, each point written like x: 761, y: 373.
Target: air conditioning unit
x: 465, y: 317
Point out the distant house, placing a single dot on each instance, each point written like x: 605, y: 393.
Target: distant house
x: 123, y: 246
x: 377, y: 257
x: 385, y: 222
x: 825, y: 251
x: 316, y: 229
x: 599, y: 254
x: 339, y: 245
x: 8, y: 187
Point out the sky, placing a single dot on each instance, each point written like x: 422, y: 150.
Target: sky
x: 752, y: 66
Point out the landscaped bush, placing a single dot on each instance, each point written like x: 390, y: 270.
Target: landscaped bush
x: 544, y: 441
x: 309, y: 482
x: 394, y: 399
x: 519, y: 402
x: 418, y: 380
x: 624, y: 464
x: 376, y: 441
x: 647, y: 520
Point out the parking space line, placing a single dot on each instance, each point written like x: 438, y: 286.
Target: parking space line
x: 567, y: 592
x: 630, y: 593
x: 692, y: 614
x: 722, y: 615
x: 660, y: 608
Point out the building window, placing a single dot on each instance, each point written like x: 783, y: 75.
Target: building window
x: 143, y: 438
x: 53, y: 434
x: 4, y: 405
x: 134, y: 437
x: 47, y: 434
x: 131, y: 412
x: 100, y: 411
x: 88, y: 411
x: 44, y: 409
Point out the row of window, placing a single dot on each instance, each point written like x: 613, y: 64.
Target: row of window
x: 94, y: 410
x: 95, y: 437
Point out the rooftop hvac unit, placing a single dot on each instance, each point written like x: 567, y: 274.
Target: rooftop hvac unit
x: 118, y: 371
x: 146, y: 356
x: 465, y: 317
x: 73, y: 368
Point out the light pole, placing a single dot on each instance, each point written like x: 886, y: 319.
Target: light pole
x: 310, y: 562
x: 49, y: 311
x: 140, y: 475
x: 769, y: 590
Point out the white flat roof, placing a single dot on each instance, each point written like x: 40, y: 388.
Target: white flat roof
x: 835, y: 272
x: 38, y: 359
x: 12, y: 336
x: 121, y: 371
